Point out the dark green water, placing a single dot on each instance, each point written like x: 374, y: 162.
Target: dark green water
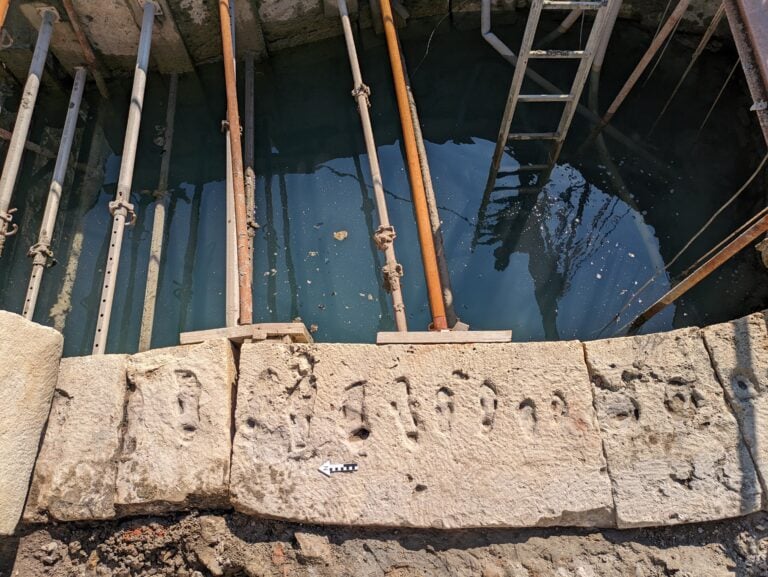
x: 556, y: 265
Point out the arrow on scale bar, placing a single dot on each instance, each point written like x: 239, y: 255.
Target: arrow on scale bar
x: 328, y: 468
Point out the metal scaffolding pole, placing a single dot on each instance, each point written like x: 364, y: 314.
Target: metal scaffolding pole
x: 158, y: 223
x: 385, y: 234
x: 250, y: 135
x: 428, y: 253
x: 41, y: 252
x: 23, y: 121
x: 738, y: 244
x: 238, y: 180
x: 121, y: 208
x: 231, y: 289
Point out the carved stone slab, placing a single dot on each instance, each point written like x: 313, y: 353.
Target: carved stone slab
x: 176, y: 445
x: 674, y: 451
x: 739, y: 352
x: 74, y: 477
x: 463, y: 436
x: 29, y: 367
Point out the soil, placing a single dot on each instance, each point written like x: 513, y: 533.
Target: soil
x: 225, y: 543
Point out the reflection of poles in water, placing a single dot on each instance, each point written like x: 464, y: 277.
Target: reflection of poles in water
x: 126, y: 311
x: 367, y: 208
x: 292, y: 284
x: 270, y: 235
x: 185, y: 291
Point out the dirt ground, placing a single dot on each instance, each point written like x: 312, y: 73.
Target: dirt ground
x: 214, y: 544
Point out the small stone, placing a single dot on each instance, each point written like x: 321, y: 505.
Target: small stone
x: 314, y: 547
x: 340, y: 235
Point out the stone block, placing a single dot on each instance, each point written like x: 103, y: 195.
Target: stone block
x: 673, y: 446
x: 177, y: 440
x: 739, y: 352
x: 444, y: 436
x: 29, y: 366
x: 74, y: 477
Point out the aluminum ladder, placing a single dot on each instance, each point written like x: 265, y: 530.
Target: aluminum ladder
x: 571, y: 99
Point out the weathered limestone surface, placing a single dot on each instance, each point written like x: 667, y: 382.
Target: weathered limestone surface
x: 460, y: 436
x: 176, y: 446
x: 673, y: 446
x: 739, y: 352
x: 29, y: 363
x: 74, y: 477
x: 287, y: 24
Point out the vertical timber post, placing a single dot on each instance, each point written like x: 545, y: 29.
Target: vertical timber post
x: 238, y: 182
x: 41, y: 252
x: 428, y: 254
x: 121, y: 208
x: 23, y: 122
x: 158, y: 223
x: 385, y: 234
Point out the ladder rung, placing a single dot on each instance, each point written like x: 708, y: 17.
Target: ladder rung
x: 556, y: 54
x: 533, y: 136
x: 572, y: 5
x: 545, y: 97
x: 532, y: 167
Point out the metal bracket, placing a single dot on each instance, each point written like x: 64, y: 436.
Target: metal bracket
x: 41, y: 10
x: 120, y: 205
x: 392, y: 275
x: 158, y: 7
x: 7, y: 226
x: 362, y: 90
x: 42, y: 255
x: 384, y: 236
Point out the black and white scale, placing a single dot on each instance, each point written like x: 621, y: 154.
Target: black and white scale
x: 329, y: 468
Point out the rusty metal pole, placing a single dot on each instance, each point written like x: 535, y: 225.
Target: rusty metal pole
x: 656, y: 44
x: 428, y: 253
x: 158, y: 222
x: 233, y: 118
x: 121, y: 208
x: 85, y: 46
x: 384, y: 237
x: 23, y: 122
x: 4, y: 5
x: 726, y: 253
x: 41, y: 251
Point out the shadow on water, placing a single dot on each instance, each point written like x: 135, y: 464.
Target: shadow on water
x: 557, y: 264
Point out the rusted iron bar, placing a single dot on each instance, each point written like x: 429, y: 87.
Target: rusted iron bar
x: 656, y: 44
x: 31, y: 146
x: 85, y: 46
x: 745, y: 45
x: 23, y: 122
x: 233, y: 118
x: 158, y: 223
x: 428, y: 253
x: 716, y: 19
x: 434, y: 215
x: 4, y: 5
x: 731, y: 249
x: 384, y: 236
x: 121, y: 208
x: 41, y: 252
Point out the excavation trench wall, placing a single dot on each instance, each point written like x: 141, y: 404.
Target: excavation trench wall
x: 645, y: 431
x: 187, y: 32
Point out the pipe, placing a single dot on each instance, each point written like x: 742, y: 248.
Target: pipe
x: 233, y: 117
x: 434, y: 216
x: 121, y: 208
x: 564, y: 27
x: 716, y: 19
x: 231, y: 288
x: 41, y: 252
x: 384, y: 236
x: 4, y: 5
x: 656, y: 44
x: 158, y: 223
x: 731, y: 249
x: 85, y: 46
x: 21, y: 129
x: 428, y: 253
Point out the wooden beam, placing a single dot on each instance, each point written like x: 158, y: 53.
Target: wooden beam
x: 443, y: 337
x: 297, y: 332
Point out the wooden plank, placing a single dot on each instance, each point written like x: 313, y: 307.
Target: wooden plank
x: 296, y: 331
x: 443, y: 337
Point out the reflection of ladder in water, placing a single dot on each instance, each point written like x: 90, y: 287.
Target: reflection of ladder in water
x: 570, y: 100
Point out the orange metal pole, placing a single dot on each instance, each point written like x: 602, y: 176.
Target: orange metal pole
x: 238, y: 178
x: 4, y: 4
x: 428, y: 253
